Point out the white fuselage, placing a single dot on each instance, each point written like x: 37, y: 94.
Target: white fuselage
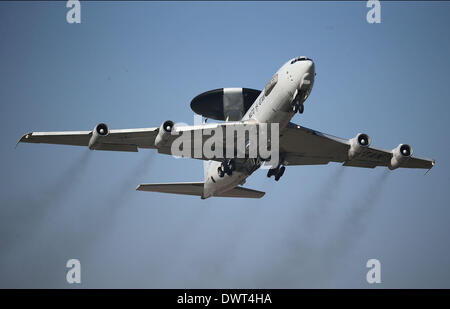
x: 276, y: 107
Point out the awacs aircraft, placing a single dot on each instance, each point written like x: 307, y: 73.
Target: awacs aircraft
x: 277, y: 103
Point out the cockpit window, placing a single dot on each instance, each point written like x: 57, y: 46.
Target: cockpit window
x: 270, y: 85
x: 302, y: 58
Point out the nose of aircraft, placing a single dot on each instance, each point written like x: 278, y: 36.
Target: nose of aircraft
x: 304, y: 68
x: 307, y: 77
x: 310, y: 66
x: 302, y: 60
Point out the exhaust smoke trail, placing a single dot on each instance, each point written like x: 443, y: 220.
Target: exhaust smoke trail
x: 352, y: 226
x: 129, y: 183
x: 323, y: 199
x: 23, y: 215
x: 309, y: 259
x: 99, y: 219
x: 350, y: 230
x: 73, y: 235
x: 296, y: 246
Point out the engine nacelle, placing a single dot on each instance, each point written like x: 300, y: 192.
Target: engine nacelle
x: 357, y: 144
x: 164, y: 133
x: 400, y: 154
x: 98, y: 133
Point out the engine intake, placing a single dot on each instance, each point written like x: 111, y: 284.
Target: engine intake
x: 98, y: 133
x: 164, y: 133
x: 400, y: 154
x: 357, y: 144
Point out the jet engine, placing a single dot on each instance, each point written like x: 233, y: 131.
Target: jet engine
x: 357, y: 144
x: 99, y: 131
x: 164, y: 133
x: 400, y: 154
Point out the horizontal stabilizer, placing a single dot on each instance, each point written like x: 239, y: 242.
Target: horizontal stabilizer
x: 242, y: 192
x: 196, y: 188
x: 188, y: 188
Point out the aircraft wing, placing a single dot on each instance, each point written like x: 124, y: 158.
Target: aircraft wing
x: 304, y: 146
x: 116, y: 140
x: 298, y: 145
x: 133, y: 139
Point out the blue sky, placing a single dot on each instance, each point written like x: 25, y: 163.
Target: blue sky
x: 137, y: 64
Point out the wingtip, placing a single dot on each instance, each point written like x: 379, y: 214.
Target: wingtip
x: 433, y: 162
x: 23, y: 138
